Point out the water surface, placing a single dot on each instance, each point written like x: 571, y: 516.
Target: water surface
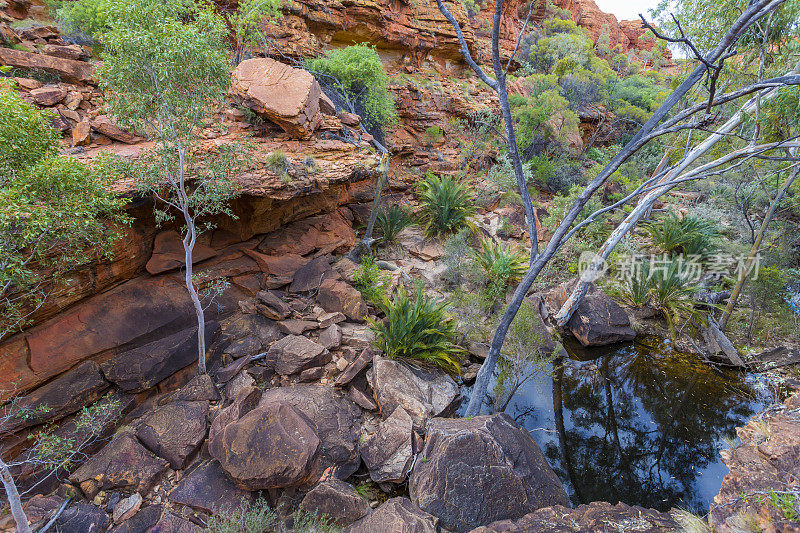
x: 636, y: 423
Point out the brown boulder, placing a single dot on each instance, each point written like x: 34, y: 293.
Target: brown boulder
x: 295, y: 326
x: 174, y: 431
x: 168, y: 253
x: 208, y: 489
x: 141, y: 522
x: 282, y: 94
x: 172, y: 523
x: 331, y: 337
x: 308, y: 277
x: 349, y: 119
x: 397, y: 515
x: 49, y: 95
x: 294, y: 353
x: 388, y: 452
x: 597, y: 321
x: 82, y: 134
x: 81, y: 517
x: 334, y: 418
x: 422, y: 393
x: 71, y: 51
x: 337, y: 500
x: 338, y: 296
x: 122, y: 464
x: 507, y: 472
x: 104, y: 125
x: 263, y: 443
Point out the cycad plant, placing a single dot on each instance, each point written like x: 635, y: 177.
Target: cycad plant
x: 671, y: 293
x: 688, y: 235
x: 502, y: 264
x: 446, y: 204
x: 419, y: 329
x: 390, y: 222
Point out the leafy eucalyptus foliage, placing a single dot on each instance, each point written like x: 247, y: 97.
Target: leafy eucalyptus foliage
x: 55, y: 212
x: 165, y: 69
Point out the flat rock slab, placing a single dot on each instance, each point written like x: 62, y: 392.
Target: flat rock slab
x: 63, y: 396
x: 208, y: 489
x: 596, y: 516
x: 337, y: 500
x: 263, y: 443
x: 123, y: 464
x: 397, y: 515
x: 142, y: 368
x: 199, y: 389
x: 507, y: 472
x: 141, y: 522
x: 310, y: 276
x: 272, y: 306
x: 175, y: 430
x: 334, y: 418
x: 82, y: 518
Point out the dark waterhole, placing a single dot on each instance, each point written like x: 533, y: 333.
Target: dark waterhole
x: 636, y: 423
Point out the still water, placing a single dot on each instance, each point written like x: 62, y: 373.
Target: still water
x: 636, y: 423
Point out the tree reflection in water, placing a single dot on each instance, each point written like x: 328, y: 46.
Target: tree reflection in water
x: 642, y: 425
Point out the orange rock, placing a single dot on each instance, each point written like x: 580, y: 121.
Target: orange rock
x: 285, y: 95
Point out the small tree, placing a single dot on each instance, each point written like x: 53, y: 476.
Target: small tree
x: 55, y: 212
x: 52, y: 451
x: 165, y: 69
x: 243, y: 22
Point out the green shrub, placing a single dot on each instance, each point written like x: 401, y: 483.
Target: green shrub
x: 502, y: 265
x: 390, y: 222
x: 671, y: 293
x: 419, y: 329
x: 370, y: 281
x: 433, y: 135
x: 278, y: 163
x: 688, y: 235
x: 359, y: 70
x: 446, y: 204
x: 257, y: 517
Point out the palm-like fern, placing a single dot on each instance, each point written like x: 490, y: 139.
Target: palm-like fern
x: 502, y: 264
x: 446, y: 204
x: 419, y: 329
x: 390, y: 222
x: 689, y: 235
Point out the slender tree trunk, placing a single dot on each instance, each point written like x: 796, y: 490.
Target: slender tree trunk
x: 737, y: 289
x: 14, y: 500
x: 365, y: 245
x: 189, y: 241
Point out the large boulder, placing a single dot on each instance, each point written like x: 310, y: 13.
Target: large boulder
x: 335, y: 419
x: 293, y: 353
x: 338, y: 296
x: 337, y: 500
x: 397, y: 515
x: 208, y: 489
x: 422, y: 393
x: 388, y: 452
x: 282, y: 94
x: 597, y: 321
x: 174, y: 431
x: 507, y: 473
x: 123, y: 464
x: 263, y: 443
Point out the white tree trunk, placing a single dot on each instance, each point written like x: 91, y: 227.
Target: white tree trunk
x: 14, y: 501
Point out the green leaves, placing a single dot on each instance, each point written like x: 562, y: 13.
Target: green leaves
x: 359, y: 70
x: 55, y: 211
x: 503, y: 266
x: 390, y: 222
x: 446, y: 204
x: 419, y: 329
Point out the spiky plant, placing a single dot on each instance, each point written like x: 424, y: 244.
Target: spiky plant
x: 390, y: 222
x: 503, y: 266
x: 446, y: 204
x: 688, y: 235
x: 671, y: 293
x: 636, y: 289
x: 419, y: 329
